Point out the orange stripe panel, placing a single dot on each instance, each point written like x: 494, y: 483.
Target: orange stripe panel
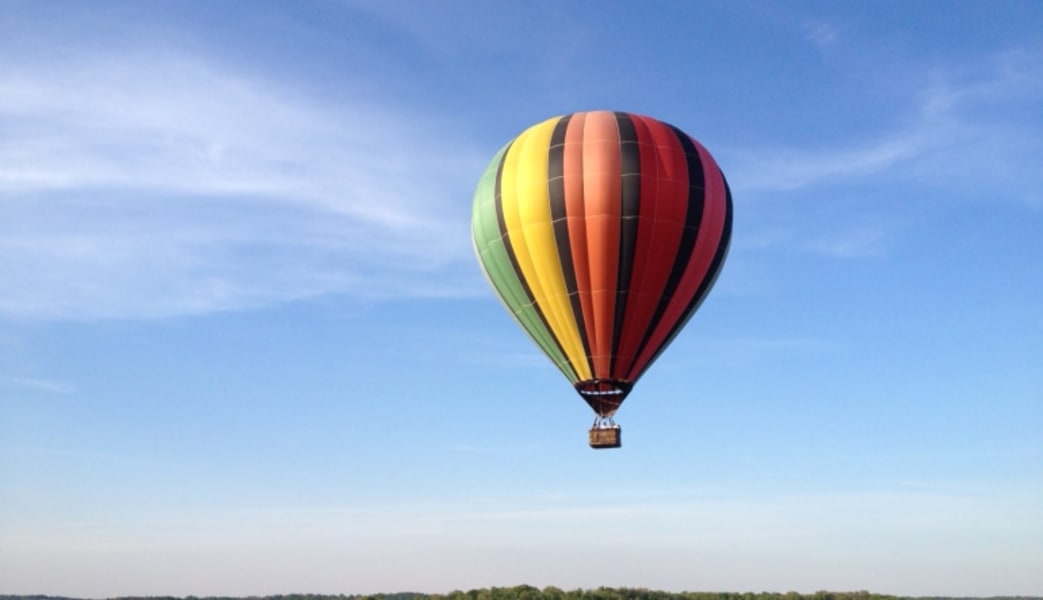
x: 602, y: 191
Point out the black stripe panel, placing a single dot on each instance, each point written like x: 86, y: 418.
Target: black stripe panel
x: 502, y: 225
x: 630, y: 170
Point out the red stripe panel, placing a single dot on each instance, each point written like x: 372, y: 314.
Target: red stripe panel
x: 664, y: 203
x: 707, y: 242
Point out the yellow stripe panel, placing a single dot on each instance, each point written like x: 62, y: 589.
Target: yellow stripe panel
x: 526, y: 209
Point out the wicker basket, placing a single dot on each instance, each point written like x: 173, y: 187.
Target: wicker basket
x: 608, y: 437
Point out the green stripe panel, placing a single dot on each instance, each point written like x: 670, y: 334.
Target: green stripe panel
x: 496, y: 264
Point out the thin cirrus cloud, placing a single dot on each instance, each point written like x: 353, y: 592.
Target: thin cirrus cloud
x: 822, y: 34
x: 966, y: 137
x: 34, y: 384
x: 963, y: 127
x: 169, y: 186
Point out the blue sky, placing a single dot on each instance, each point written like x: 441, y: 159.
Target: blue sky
x: 245, y: 347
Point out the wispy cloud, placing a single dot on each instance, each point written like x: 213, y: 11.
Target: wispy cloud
x: 970, y: 134
x: 35, y: 384
x: 974, y: 129
x: 134, y: 187
x: 794, y: 168
x: 861, y: 240
x: 821, y: 33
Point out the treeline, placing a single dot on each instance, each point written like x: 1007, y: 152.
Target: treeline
x: 528, y: 592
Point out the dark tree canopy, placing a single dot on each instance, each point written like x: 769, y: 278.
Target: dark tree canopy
x: 528, y: 592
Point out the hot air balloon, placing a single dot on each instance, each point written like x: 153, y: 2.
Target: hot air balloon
x: 602, y: 233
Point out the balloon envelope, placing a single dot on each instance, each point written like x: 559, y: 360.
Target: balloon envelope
x: 602, y: 232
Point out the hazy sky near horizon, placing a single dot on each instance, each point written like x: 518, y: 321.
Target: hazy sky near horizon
x: 245, y: 347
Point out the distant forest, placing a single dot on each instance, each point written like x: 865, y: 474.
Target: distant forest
x: 527, y: 592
